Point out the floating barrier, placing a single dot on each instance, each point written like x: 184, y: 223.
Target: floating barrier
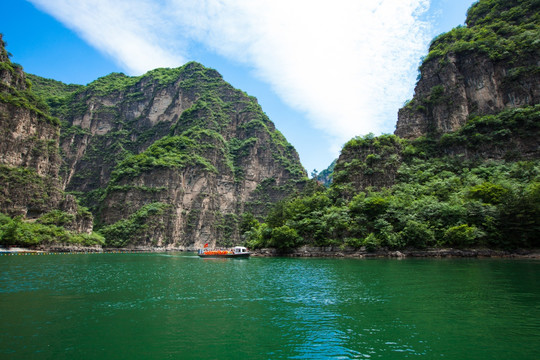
x: 26, y: 253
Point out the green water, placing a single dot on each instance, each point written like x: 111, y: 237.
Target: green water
x: 177, y: 306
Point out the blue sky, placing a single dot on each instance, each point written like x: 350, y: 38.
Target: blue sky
x: 323, y: 71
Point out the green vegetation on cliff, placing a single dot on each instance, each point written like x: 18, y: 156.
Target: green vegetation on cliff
x: 497, y: 131
x: 18, y: 232
x: 16, y: 89
x: 34, y: 210
x: 49, y: 89
x: 436, y: 202
x: 24, y: 97
x: 476, y: 186
x: 26, y: 183
x: 168, y: 152
x: 326, y: 176
x: 135, y: 227
x: 499, y: 28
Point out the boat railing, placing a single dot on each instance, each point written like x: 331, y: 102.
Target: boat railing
x: 223, y: 251
x: 216, y: 251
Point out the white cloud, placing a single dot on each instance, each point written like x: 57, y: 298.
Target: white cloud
x: 348, y: 64
x: 131, y: 32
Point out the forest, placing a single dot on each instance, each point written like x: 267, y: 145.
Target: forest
x: 436, y: 203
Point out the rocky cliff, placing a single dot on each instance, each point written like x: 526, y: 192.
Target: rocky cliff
x: 29, y: 147
x: 171, y: 158
x: 325, y: 177
x: 30, y: 136
x: 490, y: 65
x: 368, y: 162
x: 477, y: 99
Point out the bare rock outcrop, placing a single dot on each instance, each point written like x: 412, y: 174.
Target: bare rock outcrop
x: 481, y: 69
x: 452, y: 89
x: 29, y: 152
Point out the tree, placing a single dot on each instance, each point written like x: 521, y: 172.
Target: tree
x: 461, y: 235
x: 417, y: 234
x: 284, y: 238
x: 248, y: 222
x: 489, y: 193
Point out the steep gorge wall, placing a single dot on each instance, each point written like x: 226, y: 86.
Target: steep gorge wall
x: 477, y: 98
x: 482, y: 69
x: 453, y: 89
x: 29, y: 137
x: 29, y: 160
x: 111, y: 117
x: 179, y: 140
x: 29, y: 148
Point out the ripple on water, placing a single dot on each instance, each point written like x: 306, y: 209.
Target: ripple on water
x: 169, y: 306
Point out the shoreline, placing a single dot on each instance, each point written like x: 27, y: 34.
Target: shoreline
x: 304, y: 251
x: 362, y: 253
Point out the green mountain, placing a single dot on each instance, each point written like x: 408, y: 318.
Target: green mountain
x: 481, y: 69
x: 462, y: 169
x: 171, y: 158
x: 325, y: 177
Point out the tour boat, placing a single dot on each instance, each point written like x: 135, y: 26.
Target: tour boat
x: 236, y: 252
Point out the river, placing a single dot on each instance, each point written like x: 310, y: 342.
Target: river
x: 178, y: 306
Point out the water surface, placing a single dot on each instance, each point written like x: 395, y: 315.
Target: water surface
x: 177, y: 306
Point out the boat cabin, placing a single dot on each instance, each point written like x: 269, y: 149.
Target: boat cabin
x: 240, y: 250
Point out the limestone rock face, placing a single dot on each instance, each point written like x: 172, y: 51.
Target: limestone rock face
x: 31, y: 142
x: 484, y: 68
x: 181, y: 142
x: 29, y: 138
x: 450, y: 91
x: 29, y: 151
x: 477, y: 98
x: 29, y: 158
x: 107, y: 122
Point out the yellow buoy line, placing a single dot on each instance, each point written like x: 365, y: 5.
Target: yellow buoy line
x: 34, y: 253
